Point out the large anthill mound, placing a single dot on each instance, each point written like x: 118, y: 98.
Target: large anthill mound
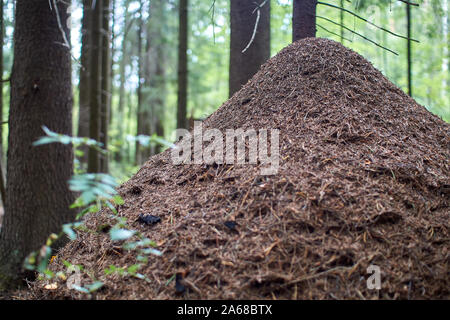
x: 363, y: 180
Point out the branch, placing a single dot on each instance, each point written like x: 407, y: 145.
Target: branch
x: 365, y: 20
x: 258, y: 11
x: 410, y: 3
x: 333, y: 33
x: 212, y: 8
x: 358, y: 34
x: 5, y: 80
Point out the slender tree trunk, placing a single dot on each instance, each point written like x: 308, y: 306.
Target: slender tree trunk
x: 105, y: 83
x: 2, y: 33
x: 2, y: 23
x: 95, y: 91
x: 408, y: 48
x: 304, y: 19
x: 182, y: 65
x: 140, y: 106
x: 157, y: 71
x: 244, y: 19
x: 112, y: 62
x: 38, y: 197
x: 341, y: 20
x: 84, y: 84
x: 123, y: 62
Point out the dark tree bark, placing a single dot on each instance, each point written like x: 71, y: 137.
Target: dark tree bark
x: 182, y: 65
x: 84, y: 84
x: 244, y: 65
x: 304, y: 19
x: 408, y: 48
x: 157, y: 70
x: 140, y: 105
x: 38, y: 197
x: 2, y: 181
x: 341, y: 20
x: 105, y: 83
x: 95, y: 90
x: 123, y: 63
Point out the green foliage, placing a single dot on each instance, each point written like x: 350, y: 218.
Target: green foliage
x: 96, y: 191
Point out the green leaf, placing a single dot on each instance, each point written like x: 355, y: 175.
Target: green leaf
x: 95, y: 286
x: 120, y: 234
x: 152, y: 251
x: 81, y: 289
x: 67, y: 229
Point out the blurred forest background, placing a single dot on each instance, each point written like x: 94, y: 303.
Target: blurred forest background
x: 144, y: 37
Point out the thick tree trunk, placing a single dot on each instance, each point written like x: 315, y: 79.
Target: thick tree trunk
x: 244, y: 65
x: 182, y: 65
x: 84, y: 85
x: 95, y: 92
x: 38, y: 197
x: 105, y: 83
x: 304, y: 19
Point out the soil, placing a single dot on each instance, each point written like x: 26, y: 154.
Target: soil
x: 363, y: 180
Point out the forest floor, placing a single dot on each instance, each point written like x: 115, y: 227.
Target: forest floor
x: 364, y: 179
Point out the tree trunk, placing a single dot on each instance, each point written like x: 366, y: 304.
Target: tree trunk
x: 84, y: 85
x: 38, y: 197
x: 244, y: 65
x: 182, y: 65
x: 140, y: 106
x: 1, y: 77
x: 341, y: 21
x: 2, y: 181
x: 408, y: 48
x: 95, y: 92
x: 157, y: 72
x: 123, y: 62
x: 304, y: 19
x: 105, y: 83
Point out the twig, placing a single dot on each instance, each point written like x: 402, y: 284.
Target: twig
x: 365, y: 20
x: 258, y: 11
x: 333, y: 33
x: 316, y: 275
x: 358, y: 34
x: 212, y: 8
x: 410, y: 3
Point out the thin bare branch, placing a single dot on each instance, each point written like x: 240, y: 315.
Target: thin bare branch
x: 365, y: 20
x: 258, y: 11
x: 358, y: 34
x: 410, y: 3
x: 333, y: 33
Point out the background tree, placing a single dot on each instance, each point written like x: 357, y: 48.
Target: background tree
x: 182, y: 65
x: 249, y: 40
x: 304, y: 19
x: 84, y: 77
x: 105, y: 82
x: 38, y: 197
x: 95, y: 96
x: 408, y: 47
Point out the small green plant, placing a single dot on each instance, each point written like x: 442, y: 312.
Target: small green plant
x: 95, y: 192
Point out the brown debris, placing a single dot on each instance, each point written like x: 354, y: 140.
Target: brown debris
x: 363, y: 179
